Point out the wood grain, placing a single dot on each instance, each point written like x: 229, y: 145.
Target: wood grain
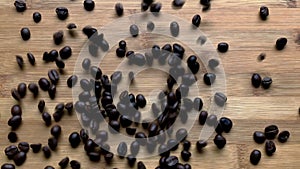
x: 235, y: 22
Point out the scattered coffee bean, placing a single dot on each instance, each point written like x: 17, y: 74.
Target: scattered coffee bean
x: 263, y: 12
x: 259, y: 137
x: 20, y: 158
x: 11, y: 151
x: 52, y: 143
x: 22, y: 89
x: 62, y: 13
x: 270, y: 147
x: 120, y: 52
x: 15, y: 121
x: 122, y: 44
x: 271, y: 131
x: 59, y: 63
x: 58, y: 37
x: 71, y: 26
x: 219, y: 141
x: 75, y: 164
x: 155, y: 7
x: 20, y: 61
x: 47, y: 152
x: 25, y: 33
x: 134, y: 148
x: 174, y: 28
x: 213, y: 63
x: 171, y: 162
x: 12, y: 137
x: 33, y: 88
x: 44, y: 84
x: 185, y: 155
x: 55, y: 131
x: 74, y: 139
x: 37, y: 17
x: 220, y: 99
x: 141, y: 101
x: 89, y: 5
x: 36, y: 147
x: 178, y: 3
x: 200, y: 145
x: 47, y: 118
x: 181, y: 134
x: 52, y: 91
x: 20, y: 5
x: 16, y: 110
x: 53, y: 76
x: 119, y: 9
x: 255, y: 157
x: 108, y: 157
x: 94, y: 156
x: 86, y: 64
x: 134, y: 30
x: 186, y: 145
x: 223, y: 47
x: 283, y: 136
x: 65, y: 52
x: 212, y: 120
x: 23, y: 146
x: 266, y: 82
x: 7, y: 166
x: 64, y: 162
x: 226, y: 124
x: 196, y: 20
x: 209, y: 78
x: 150, y: 26
x: 256, y: 80
x: 130, y: 131
x: 31, y: 58
x: 280, y: 43
x: 202, y: 117
x: 144, y: 6
x: 122, y: 149
x: 72, y: 80
x: 96, y: 72
x: 131, y: 160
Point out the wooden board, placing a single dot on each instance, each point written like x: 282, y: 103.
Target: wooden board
x: 235, y: 22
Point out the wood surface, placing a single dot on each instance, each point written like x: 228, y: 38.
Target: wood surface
x: 235, y: 22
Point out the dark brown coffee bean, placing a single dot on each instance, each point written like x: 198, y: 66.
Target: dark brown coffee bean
x: 255, y: 157
x: 36, y: 147
x: 141, y: 101
x: 280, y: 43
x: 34, y: 89
x: 108, y: 157
x: 135, y: 148
x: 37, y: 17
x: 178, y: 3
x: 174, y: 28
x: 72, y: 80
x: 47, y: 152
x: 7, y: 166
x: 270, y: 147
x: 62, y: 13
x: 20, y: 61
x: 52, y: 143
x: 134, y: 30
x: 75, y: 164
x: 186, y: 145
x: 52, y: 91
x: 59, y: 63
x: 47, y: 118
x: 223, y: 47
x: 196, y: 20
x: 63, y: 163
x: 55, y: 131
x: 53, y: 76
x: 16, y: 110
x: 44, y: 84
x: 130, y: 131
x: 11, y: 151
x: 96, y: 72
x: 15, y: 121
x: 283, y: 136
x: 171, y: 162
x: 15, y: 94
x: 202, y: 117
x: 259, y: 137
x: 220, y: 99
x: 94, y: 156
x: 57, y: 116
x: 256, y: 80
x: 12, y: 137
x: 74, y: 139
x: 20, y: 158
x: 186, y: 155
x: 119, y: 9
x: 163, y: 150
x: 209, y: 78
x: 219, y: 141
x: 141, y: 138
x: 65, y: 52
x: 131, y: 160
x: 89, y: 5
x: 271, y: 131
x: 264, y: 12
x: 155, y: 8
x: 141, y: 165
x: 58, y: 37
x: 23, y: 146
x: 25, y: 34
x: 41, y: 106
x: 266, y: 82
x: 20, y: 5
x: 226, y: 124
x: 69, y: 107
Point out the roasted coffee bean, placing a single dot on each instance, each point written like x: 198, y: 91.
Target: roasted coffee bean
x: 20, y: 61
x: 20, y: 158
x: 122, y: 44
x: 105, y: 148
x: 116, y: 77
x: 94, y: 156
x: 52, y: 143
x: 163, y: 150
x: 122, y: 149
x: 173, y: 144
x: 150, y: 26
x: 130, y: 131
x: 33, y: 88
x: 219, y: 141
x: 119, y: 9
x: 52, y: 91
x: 171, y: 162
x: 53, y: 76
x: 11, y: 151
x: 196, y: 20
x: 191, y: 60
x: 55, y: 131
x: 141, y: 101
x: 12, y: 137
x: 71, y: 26
x: 36, y: 147
x: 280, y: 43
x: 74, y: 139
x: 185, y: 155
x: 139, y: 59
x: 209, y: 78
x: 20, y: 5
x: 186, y: 145
x: 271, y: 131
x: 89, y: 31
x: 220, y: 99
x: 58, y: 37
x: 64, y: 162
x: 59, y: 63
x: 213, y: 63
x: 16, y: 110
x: 261, y: 57
x: 198, y: 103
x: 37, y: 17
x: 69, y: 107
x: 41, y: 105
x: 144, y: 6
x: 120, y: 52
x: 178, y: 3
x: 72, y: 80
x: 93, y: 50
x: 194, y: 68
x: 223, y: 47
x: 134, y: 30
x: 174, y: 28
x: 226, y: 124
x: 23, y: 146
x: 25, y: 34
x: 96, y: 72
x: 65, y: 52
x: 53, y: 54
x: 47, y: 118
x: 85, y: 85
x: 7, y: 166
x: 270, y: 147
x: 283, y: 136
x: 44, y: 84
x: 15, y: 121
x: 263, y: 12
x: 134, y: 148
x: 187, y: 166
x: 22, y: 89
x: 266, y: 82
x: 104, y: 45
x: 125, y: 121
x: 86, y: 64
x: 75, y: 164
x: 141, y: 138
x: 48, y: 58
x: 211, y: 120
x: 141, y: 165
x: 108, y: 157
x: 259, y: 137
x: 15, y: 94
x: 181, y: 134
x: 57, y: 116
x: 256, y: 80
x: 89, y: 5
x: 31, y: 58
x: 155, y: 7
x: 84, y: 135
x: 255, y: 157
x: 62, y: 13
x: 131, y: 160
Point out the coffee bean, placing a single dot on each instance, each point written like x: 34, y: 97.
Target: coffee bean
x: 150, y: 26
x: 185, y: 155
x: 255, y: 157
x: 89, y: 5
x: 86, y: 63
x: 44, y: 84
x: 120, y: 52
x: 134, y: 30
x: 119, y: 9
x: 25, y: 34
x: 15, y: 121
x: 181, y: 134
x: 270, y: 147
x: 31, y: 58
x: 52, y: 91
x: 62, y: 13
x: 186, y: 145
x: 209, y: 78
x: 264, y: 12
x: 65, y: 52
x: 122, y: 149
x: 171, y: 162
x: 71, y: 26
x: 64, y: 162
x: 59, y: 63
x: 141, y: 138
x: 141, y: 101
x: 74, y: 139
x: 52, y: 143
x: 104, y: 45
x: 85, y: 85
x: 205, y: 3
x: 58, y: 37
x: 125, y: 121
x: 75, y: 164
x: 194, y: 68
x: 173, y: 144
x: 256, y: 80
x: 12, y: 137
x: 144, y: 6
x: 53, y: 76
x: 47, y: 118
x: 94, y: 156
x: 89, y: 31
x: 55, y: 131
x: 212, y: 120
x: 200, y: 145
x: 23, y: 146
x: 105, y: 148
x: 271, y: 131
x: 11, y: 151
x: 155, y: 7
x: 139, y: 59
x: 16, y: 110
x: 259, y: 137
x: 223, y: 47
x: 220, y: 99
x: 20, y: 5
x: 72, y: 80
x: 20, y: 61
x: 96, y: 72
x: 36, y: 147
x: 108, y: 157
x: 261, y: 57
x: 33, y: 88
x: 47, y: 152
x: 196, y: 20
x: 49, y: 167
x: 198, y: 103
x: 213, y: 63
x: 280, y: 43
x: 226, y: 124
x: 134, y: 148
x: 174, y: 28
x: 283, y: 136
x: 177, y: 48
x: 130, y: 131
x: 20, y: 158
x: 219, y: 141
x: 178, y: 3
x: 22, y: 89
x: 7, y: 166
x: 163, y: 150
x: 131, y: 160
x: 37, y: 17
x: 202, y: 117
x: 266, y: 82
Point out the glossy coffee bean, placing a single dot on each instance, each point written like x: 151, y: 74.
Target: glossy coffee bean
x: 171, y: 162
x: 155, y: 7
x: 15, y: 94
x: 20, y: 158
x: 259, y: 137
x: 130, y: 131
x: 41, y: 106
x: 141, y: 165
x: 134, y: 30
x: 94, y: 156
x: 16, y: 110
x: 134, y: 148
x: 7, y: 166
x: 96, y: 72
x: 63, y: 163
x: 84, y: 136
x: 58, y: 37
x: 256, y: 80
x: 172, y: 144
x: 280, y: 43
x: 209, y: 78
x: 52, y: 91
x: 75, y: 164
x: 86, y: 64
x: 141, y: 138
x: 200, y: 145
x: 220, y: 99
x: 174, y: 28
x: 32, y: 87
x: 72, y: 80
x: 116, y: 77
x: 44, y: 84
x: 55, y: 131
x: 122, y: 149
x: 194, y: 68
x: 25, y: 34
x: 36, y: 147
x: 131, y: 160
x: 11, y: 151
x: 185, y: 155
x: 15, y: 121
x: 263, y: 12
x: 108, y: 157
x: 52, y: 143
x: 46, y: 118
x: 53, y: 76
x: 89, y: 5
x: 37, y: 17
x: 65, y: 52
x: 226, y: 124
x: 119, y: 9
x: 12, y: 137
x: 212, y: 120
x: 20, y: 5
x: 266, y: 82
x: 178, y: 3
x: 22, y: 89
x: 283, y: 136
x: 69, y: 107
x: 186, y: 145
x: 270, y: 147
x: 181, y: 134
x: 62, y: 13
x: 74, y: 139
x: 213, y: 63
x: 223, y: 47
x: 163, y: 150
x: 202, y: 117
x: 255, y: 157
x: 271, y: 131
x: 219, y: 141
x: 47, y: 152
x: 196, y: 20
x: 23, y: 146
x: 141, y: 101
x: 20, y: 61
